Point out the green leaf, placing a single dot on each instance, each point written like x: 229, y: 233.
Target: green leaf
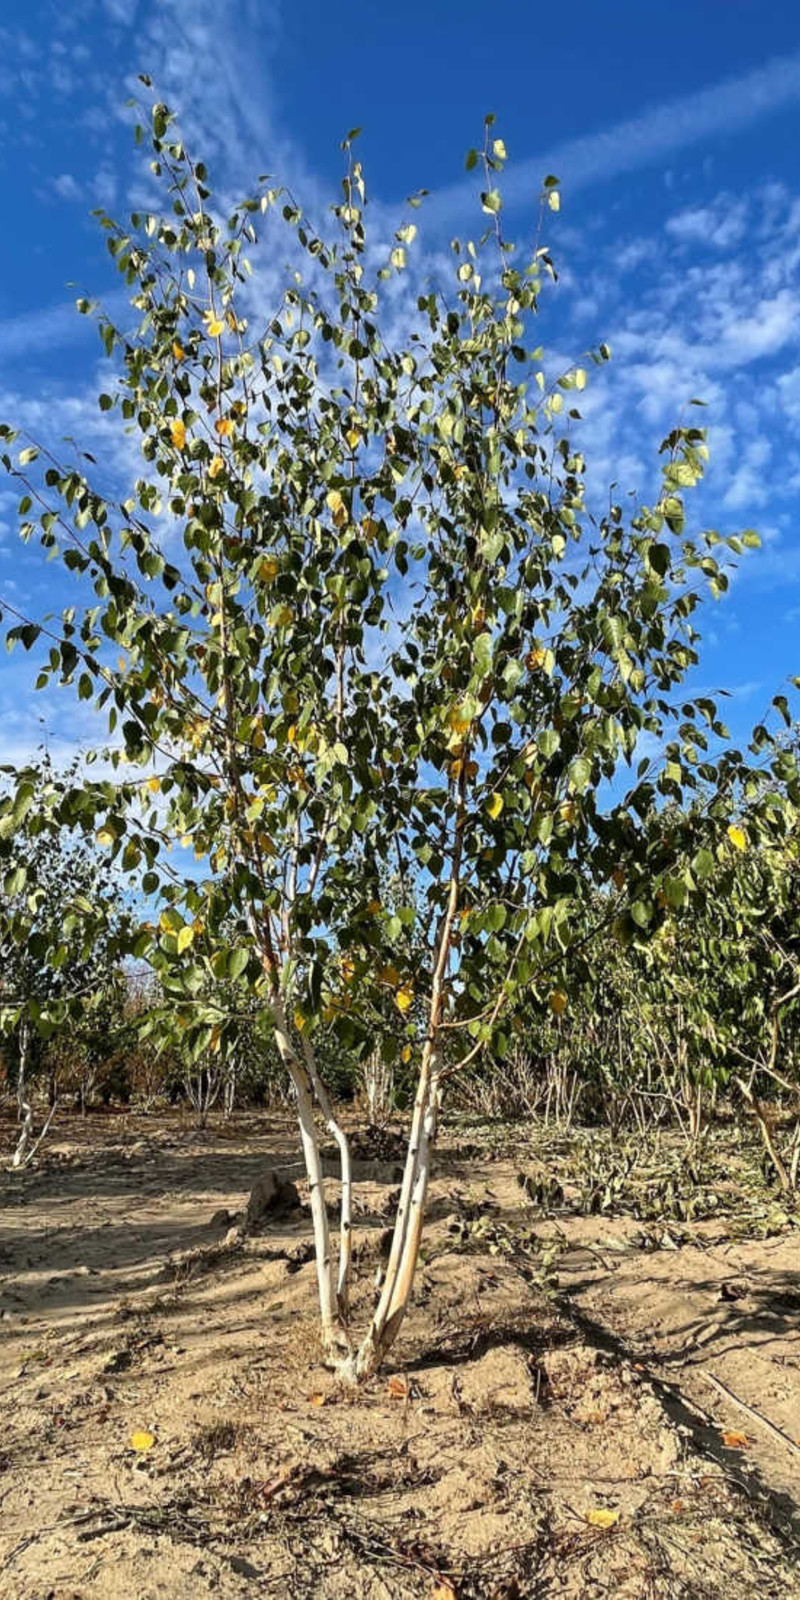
x: 580, y: 773
x: 703, y: 864
x: 237, y: 961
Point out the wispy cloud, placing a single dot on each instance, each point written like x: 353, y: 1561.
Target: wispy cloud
x: 23, y: 336
x: 719, y: 226
x: 212, y: 62
x: 67, y: 187
x: 639, y: 142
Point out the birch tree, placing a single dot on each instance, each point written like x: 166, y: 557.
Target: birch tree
x: 61, y: 927
x: 355, y: 615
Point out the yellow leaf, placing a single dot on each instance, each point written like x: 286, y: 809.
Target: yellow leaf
x: 735, y: 1441
x: 141, y: 1440
x: 178, y: 351
x: 495, y: 805
x: 404, y: 999
x: 317, y: 1399
x: 568, y: 811
x: 224, y: 427
x: 554, y: 200
x: 268, y: 569
x: 105, y: 836
x: 282, y: 616
x: 353, y: 437
x: 738, y: 837
x: 336, y: 506
x: 536, y: 657
x: 178, y: 433
x: 214, y: 325
x: 557, y: 1002
x: 299, y: 1021
x: 580, y: 379
x: 215, y: 466
x: 459, y: 719
x: 185, y: 938
x: 602, y: 1517
x: 405, y: 1054
x: 154, y: 784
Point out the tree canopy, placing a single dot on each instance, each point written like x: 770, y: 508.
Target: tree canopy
x: 358, y: 613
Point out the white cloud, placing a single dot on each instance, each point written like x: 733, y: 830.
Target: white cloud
x: 121, y: 11
x: 788, y: 387
x: 67, y: 187
x: 719, y: 226
x: 23, y: 336
x: 750, y: 486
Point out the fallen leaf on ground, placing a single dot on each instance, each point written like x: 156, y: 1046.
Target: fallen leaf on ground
x: 398, y: 1388
x: 602, y: 1517
x: 142, y: 1440
x: 735, y: 1441
x: 317, y: 1399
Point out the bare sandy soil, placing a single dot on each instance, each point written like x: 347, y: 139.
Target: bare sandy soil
x: 622, y: 1420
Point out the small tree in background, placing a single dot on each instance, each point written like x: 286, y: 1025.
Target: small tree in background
x: 356, y: 611
x: 732, y: 972
x: 62, y: 928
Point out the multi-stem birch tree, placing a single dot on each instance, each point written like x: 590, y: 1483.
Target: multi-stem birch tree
x: 355, y: 617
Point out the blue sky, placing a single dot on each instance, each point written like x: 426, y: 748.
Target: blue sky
x: 675, y: 135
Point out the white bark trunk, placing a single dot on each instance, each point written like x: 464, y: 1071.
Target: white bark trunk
x: 346, y: 1168
x: 23, y: 1104
x: 333, y: 1338
x: 401, y: 1267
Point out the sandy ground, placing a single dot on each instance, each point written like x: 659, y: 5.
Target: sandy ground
x: 573, y: 1429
